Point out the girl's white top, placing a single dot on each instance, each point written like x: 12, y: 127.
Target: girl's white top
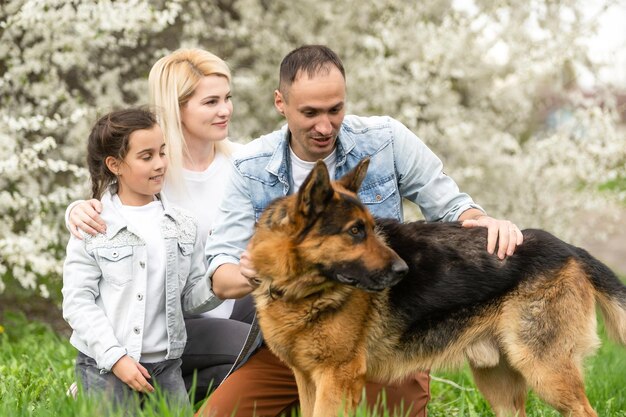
x: 144, y: 219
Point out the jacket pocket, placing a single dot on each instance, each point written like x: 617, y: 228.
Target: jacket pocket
x: 377, y: 192
x: 116, y: 264
x: 381, y: 197
x: 184, y: 261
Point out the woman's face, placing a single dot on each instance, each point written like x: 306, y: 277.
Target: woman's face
x: 206, y: 115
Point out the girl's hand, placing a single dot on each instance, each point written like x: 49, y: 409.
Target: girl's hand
x: 132, y: 374
x: 86, y: 217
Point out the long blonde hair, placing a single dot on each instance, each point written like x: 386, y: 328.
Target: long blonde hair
x: 172, y: 81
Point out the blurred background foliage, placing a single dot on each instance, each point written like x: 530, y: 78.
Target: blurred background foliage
x: 492, y: 87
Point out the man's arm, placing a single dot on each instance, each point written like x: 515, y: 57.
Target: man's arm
x: 229, y: 282
x: 422, y: 180
x: 225, y: 245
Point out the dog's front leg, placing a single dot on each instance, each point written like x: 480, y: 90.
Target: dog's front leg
x: 306, y: 393
x: 339, y: 389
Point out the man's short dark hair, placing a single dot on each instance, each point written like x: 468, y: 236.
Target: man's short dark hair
x: 310, y: 59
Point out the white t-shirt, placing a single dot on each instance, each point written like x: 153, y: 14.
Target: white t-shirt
x: 300, y: 169
x: 143, y: 219
x: 203, y: 193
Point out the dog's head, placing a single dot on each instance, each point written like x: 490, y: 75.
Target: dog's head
x: 322, y: 236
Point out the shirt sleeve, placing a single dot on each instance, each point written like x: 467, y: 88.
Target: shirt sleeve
x: 422, y: 179
x: 234, y: 224
x: 197, y: 296
x: 81, y: 277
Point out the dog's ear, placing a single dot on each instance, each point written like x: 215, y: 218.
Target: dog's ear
x: 353, y: 179
x: 315, y: 192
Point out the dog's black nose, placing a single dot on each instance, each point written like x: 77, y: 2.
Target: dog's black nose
x: 399, y: 268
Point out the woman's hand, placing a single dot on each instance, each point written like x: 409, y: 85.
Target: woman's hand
x: 85, y: 216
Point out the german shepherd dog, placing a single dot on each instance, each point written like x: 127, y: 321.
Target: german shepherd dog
x: 343, y: 297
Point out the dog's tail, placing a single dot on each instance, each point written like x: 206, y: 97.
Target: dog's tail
x: 610, y: 295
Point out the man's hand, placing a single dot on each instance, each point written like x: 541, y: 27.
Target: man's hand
x: 503, y: 232
x: 133, y: 374
x: 86, y: 217
x: 246, y: 268
x: 235, y: 280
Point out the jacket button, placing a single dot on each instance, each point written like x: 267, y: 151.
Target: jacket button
x: 137, y: 330
x: 114, y: 254
x: 378, y: 197
x: 140, y: 297
x: 142, y: 264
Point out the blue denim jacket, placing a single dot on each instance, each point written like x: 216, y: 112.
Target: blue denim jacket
x: 104, y: 282
x: 401, y: 166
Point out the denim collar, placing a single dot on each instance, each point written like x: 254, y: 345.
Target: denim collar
x: 115, y: 221
x: 280, y: 161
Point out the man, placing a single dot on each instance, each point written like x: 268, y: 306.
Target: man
x: 312, y: 96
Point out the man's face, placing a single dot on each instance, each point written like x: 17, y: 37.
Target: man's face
x: 314, y: 109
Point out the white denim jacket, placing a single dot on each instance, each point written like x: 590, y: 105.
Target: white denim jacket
x: 104, y: 283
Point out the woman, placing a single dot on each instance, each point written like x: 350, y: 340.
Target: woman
x: 190, y: 92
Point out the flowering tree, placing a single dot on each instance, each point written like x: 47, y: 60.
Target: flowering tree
x: 62, y: 63
x: 474, y: 82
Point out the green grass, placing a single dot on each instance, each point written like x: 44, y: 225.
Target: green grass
x: 37, y: 366
x: 605, y: 381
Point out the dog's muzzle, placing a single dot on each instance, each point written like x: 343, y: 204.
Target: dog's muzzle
x: 399, y: 268
x: 379, y: 281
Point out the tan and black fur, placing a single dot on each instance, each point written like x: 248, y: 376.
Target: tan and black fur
x: 338, y: 305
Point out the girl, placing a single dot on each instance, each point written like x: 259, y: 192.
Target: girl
x: 125, y: 290
x: 190, y: 88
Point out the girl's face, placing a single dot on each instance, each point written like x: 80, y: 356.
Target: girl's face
x: 141, y: 173
x: 206, y: 115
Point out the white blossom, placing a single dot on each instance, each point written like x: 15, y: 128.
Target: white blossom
x: 489, y: 86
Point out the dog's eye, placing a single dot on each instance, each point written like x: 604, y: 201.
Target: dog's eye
x: 357, y: 231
